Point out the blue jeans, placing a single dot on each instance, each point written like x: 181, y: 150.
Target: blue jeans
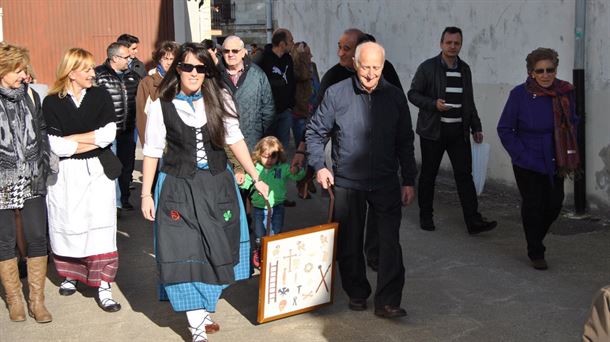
x: 259, y: 220
x: 283, y: 123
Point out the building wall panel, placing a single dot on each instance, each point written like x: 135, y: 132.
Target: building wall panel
x: 49, y: 27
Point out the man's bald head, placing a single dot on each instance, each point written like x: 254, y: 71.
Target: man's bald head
x: 368, y: 60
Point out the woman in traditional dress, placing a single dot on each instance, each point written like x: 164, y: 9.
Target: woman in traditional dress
x: 81, y: 203
x: 24, y: 166
x: 201, y: 241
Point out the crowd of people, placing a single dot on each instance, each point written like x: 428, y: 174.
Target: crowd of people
x: 215, y: 123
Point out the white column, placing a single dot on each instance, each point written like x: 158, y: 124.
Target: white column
x: 205, y: 21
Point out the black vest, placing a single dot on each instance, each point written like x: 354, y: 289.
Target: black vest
x: 180, y: 155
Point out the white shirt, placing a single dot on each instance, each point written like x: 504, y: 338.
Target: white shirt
x: 155, y: 127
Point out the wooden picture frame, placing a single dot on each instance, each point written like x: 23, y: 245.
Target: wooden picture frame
x: 297, y: 271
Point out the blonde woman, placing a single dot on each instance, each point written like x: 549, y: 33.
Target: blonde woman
x: 81, y: 203
x: 24, y: 166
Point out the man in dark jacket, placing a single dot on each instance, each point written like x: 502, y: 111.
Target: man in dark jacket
x: 277, y: 65
x: 369, y: 122
x: 135, y: 64
x: 122, y: 84
x: 442, y: 90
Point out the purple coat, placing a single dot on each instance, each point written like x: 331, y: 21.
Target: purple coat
x: 526, y: 130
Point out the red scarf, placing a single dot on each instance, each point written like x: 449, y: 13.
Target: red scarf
x: 567, y: 156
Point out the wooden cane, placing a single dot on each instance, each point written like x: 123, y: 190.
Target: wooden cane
x: 269, y: 214
x: 331, y: 203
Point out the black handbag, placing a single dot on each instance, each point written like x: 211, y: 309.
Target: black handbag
x: 111, y: 164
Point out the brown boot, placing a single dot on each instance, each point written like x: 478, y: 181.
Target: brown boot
x: 9, y: 274
x: 37, y: 276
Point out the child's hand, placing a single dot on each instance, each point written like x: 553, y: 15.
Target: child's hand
x: 294, y: 169
x: 240, y: 178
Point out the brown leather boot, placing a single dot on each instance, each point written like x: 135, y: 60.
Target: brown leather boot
x: 37, y: 276
x: 9, y: 274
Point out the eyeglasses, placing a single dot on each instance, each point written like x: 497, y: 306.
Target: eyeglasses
x: 124, y: 57
x: 541, y: 71
x: 235, y: 51
x: 186, y: 67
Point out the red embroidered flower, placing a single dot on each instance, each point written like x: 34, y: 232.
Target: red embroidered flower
x: 174, y: 215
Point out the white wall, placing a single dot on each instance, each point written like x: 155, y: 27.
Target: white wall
x: 497, y: 37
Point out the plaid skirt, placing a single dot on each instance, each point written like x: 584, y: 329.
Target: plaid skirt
x: 189, y: 296
x: 89, y: 270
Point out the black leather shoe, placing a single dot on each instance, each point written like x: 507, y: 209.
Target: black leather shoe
x: 427, y: 224
x: 289, y: 203
x: 390, y: 311
x: 108, y: 305
x: 66, y: 292
x: 540, y: 264
x: 357, y: 304
x: 480, y: 225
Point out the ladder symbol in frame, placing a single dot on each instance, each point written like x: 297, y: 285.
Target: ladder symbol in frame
x: 272, y: 293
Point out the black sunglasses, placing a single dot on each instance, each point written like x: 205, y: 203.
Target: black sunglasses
x: 273, y: 155
x: 548, y: 71
x: 186, y: 67
x: 235, y: 51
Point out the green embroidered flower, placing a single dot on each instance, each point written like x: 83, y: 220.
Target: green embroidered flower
x: 227, y: 215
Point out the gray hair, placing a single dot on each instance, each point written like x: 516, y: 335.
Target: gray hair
x: 113, y: 49
x: 359, y: 49
x: 229, y: 38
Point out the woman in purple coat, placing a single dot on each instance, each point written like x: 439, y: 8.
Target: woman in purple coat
x: 538, y: 130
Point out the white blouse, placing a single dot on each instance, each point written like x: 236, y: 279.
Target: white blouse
x: 155, y: 128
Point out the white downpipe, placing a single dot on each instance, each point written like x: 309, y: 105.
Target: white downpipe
x: 269, y: 20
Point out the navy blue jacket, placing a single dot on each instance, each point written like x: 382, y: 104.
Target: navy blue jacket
x: 371, y: 134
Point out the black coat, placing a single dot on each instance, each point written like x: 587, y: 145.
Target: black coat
x: 123, y: 93
x: 371, y: 135
x: 428, y: 85
x: 280, y: 73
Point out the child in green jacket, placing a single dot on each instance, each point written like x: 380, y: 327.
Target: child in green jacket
x: 270, y: 162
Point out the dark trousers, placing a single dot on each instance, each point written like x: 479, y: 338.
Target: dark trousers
x: 34, y: 219
x: 350, y: 212
x: 541, y: 203
x: 371, y: 240
x: 126, y: 152
x: 451, y: 140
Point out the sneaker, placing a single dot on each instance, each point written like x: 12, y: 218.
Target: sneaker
x: 256, y: 259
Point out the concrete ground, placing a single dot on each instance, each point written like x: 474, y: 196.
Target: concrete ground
x: 458, y: 287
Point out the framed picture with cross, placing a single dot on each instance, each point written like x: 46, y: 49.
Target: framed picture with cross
x: 297, y: 271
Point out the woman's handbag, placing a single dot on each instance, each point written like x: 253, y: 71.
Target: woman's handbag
x: 111, y: 164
